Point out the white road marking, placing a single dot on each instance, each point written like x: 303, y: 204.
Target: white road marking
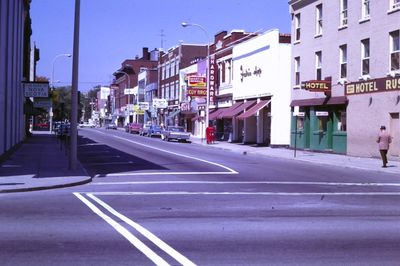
x: 366, y: 184
x: 183, y: 193
x: 153, y: 238
x: 131, y: 238
x: 111, y: 163
x: 174, y: 153
x: 167, y: 173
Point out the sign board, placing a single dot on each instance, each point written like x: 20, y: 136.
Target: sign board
x: 137, y: 110
x: 373, y: 85
x: 317, y: 85
x: 130, y: 91
x: 198, y: 92
x: 197, y: 81
x: 42, y: 103
x: 323, y: 113
x: 36, y: 89
x: 160, y: 103
x: 143, y: 105
x: 296, y: 110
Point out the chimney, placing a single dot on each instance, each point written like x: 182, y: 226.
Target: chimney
x: 146, y: 54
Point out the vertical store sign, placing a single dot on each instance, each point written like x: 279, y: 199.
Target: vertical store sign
x: 212, y: 72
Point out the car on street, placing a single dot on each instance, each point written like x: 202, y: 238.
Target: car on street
x: 144, y: 130
x: 154, y: 131
x: 111, y: 126
x: 133, y: 128
x: 175, y: 133
x: 86, y: 125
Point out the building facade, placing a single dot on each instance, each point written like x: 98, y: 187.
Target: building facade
x: 261, y: 90
x: 345, y: 82
x: 15, y: 33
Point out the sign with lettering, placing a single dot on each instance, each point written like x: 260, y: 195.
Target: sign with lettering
x: 143, y: 106
x: 213, y: 68
x: 36, y: 89
x: 244, y: 73
x: 160, y: 103
x: 373, y: 85
x: 317, y: 85
x: 196, y: 81
x: 197, y: 92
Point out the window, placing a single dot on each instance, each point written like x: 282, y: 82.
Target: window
x: 395, y: 4
x: 341, y: 120
x: 177, y: 66
x: 365, y: 9
x: 173, y: 68
x: 318, y: 20
x: 300, y: 120
x: 297, y: 71
x: 297, y: 27
x: 163, y: 72
x: 343, y: 61
x: 395, y: 51
x: 365, y: 57
x: 343, y: 13
x: 318, y: 65
x: 323, y: 123
x: 167, y: 70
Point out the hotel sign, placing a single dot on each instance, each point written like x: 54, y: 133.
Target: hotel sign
x: 373, y: 85
x: 317, y: 85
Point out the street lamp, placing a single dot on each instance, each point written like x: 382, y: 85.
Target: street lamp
x: 129, y: 92
x: 187, y: 24
x: 52, y: 86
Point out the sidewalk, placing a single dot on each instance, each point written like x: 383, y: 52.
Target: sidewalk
x: 372, y: 164
x: 41, y: 162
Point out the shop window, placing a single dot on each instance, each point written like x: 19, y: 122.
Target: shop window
x: 323, y: 123
x: 300, y: 123
x: 395, y: 50
x: 341, y: 124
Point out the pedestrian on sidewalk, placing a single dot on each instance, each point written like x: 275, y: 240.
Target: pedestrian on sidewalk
x: 383, y: 140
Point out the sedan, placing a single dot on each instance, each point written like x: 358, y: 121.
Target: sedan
x: 175, y: 133
x: 111, y: 126
x: 154, y: 130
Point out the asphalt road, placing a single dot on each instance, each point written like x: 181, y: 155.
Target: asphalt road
x: 154, y: 202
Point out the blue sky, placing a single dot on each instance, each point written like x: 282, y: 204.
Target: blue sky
x: 114, y: 30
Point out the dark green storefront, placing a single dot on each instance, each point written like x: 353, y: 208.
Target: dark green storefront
x: 321, y: 125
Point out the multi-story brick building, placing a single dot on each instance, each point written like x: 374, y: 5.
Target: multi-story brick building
x: 127, y: 77
x: 346, y: 55
x: 169, y: 86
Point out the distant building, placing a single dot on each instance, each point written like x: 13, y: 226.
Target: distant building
x: 15, y: 34
x: 127, y: 77
x: 346, y: 74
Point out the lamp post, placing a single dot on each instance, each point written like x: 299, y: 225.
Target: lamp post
x: 129, y: 93
x: 187, y: 24
x: 52, y: 86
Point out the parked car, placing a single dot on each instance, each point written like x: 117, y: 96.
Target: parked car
x: 144, y: 131
x: 86, y: 124
x: 154, y: 130
x: 133, y: 128
x: 111, y: 126
x: 176, y: 133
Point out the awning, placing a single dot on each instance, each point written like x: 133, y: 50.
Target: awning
x: 253, y: 110
x: 216, y: 113
x: 227, y: 111
x: 320, y: 101
x: 240, y: 109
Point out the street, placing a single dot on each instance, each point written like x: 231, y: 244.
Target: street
x: 167, y: 203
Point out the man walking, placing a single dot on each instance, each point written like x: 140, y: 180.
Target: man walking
x: 383, y: 140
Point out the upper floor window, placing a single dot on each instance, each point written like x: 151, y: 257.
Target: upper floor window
x: 163, y: 72
x: 177, y: 66
x: 318, y: 65
x: 365, y: 11
x: 318, y: 20
x: 297, y: 27
x: 365, y: 55
x: 395, y: 51
x: 297, y: 71
x: 173, y: 68
x: 343, y: 13
x: 343, y: 61
x: 167, y: 70
x: 395, y: 4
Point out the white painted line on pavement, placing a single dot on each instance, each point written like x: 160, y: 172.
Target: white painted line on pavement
x: 166, y: 173
x: 153, y: 238
x: 120, y: 229
x: 111, y: 163
x: 183, y: 193
x: 174, y: 153
x: 241, y: 182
